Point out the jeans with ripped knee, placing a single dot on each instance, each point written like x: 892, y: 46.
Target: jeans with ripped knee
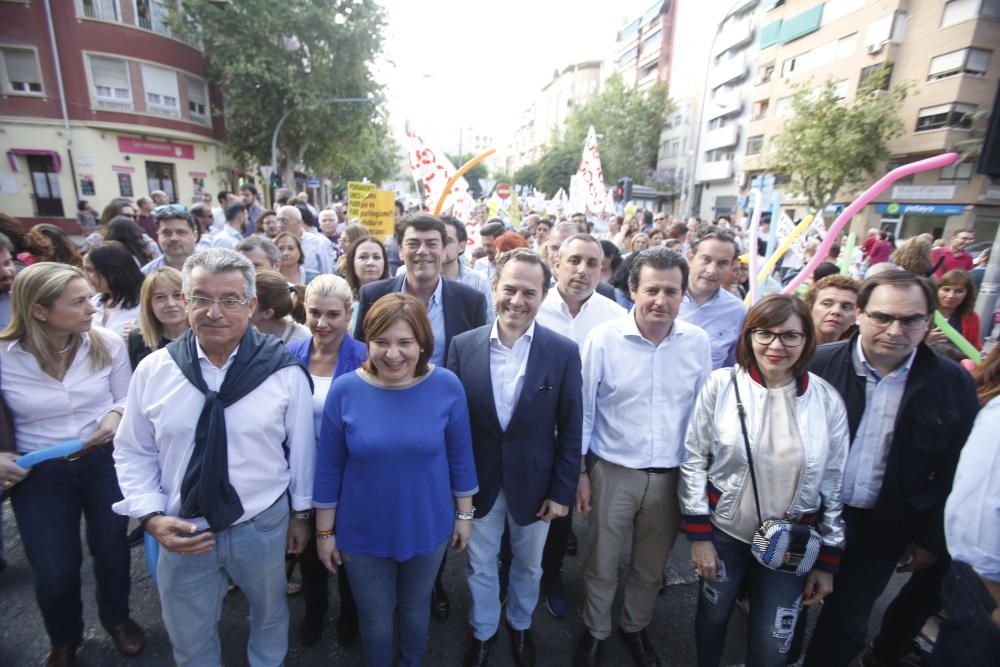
x: 775, y: 603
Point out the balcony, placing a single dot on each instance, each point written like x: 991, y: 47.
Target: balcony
x: 714, y: 171
x: 731, y: 70
x: 723, y: 106
x: 722, y: 137
x: 735, y: 34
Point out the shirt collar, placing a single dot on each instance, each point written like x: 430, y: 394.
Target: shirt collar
x: 863, y: 368
x: 202, y: 355
x: 690, y: 299
x: 435, y: 297
x: 630, y: 329
x: 528, y: 335
x: 16, y: 344
x: 564, y: 307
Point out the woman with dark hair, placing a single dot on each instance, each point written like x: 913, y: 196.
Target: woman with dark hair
x: 365, y: 263
x: 353, y: 232
x: 956, y: 296
x: 280, y: 310
x: 291, y: 265
x: 612, y: 260
x: 620, y: 281
x: 399, y: 488
x: 795, y: 425
x: 126, y: 232
x: 64, y: 249
x: 117, y: 281
x: 13, y: 229
x: 120, y: 207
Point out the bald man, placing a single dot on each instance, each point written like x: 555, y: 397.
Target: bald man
x: 317, y: 250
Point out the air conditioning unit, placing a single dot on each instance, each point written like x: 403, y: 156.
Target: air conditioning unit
x: 872, y: 49
x: 741, y: 179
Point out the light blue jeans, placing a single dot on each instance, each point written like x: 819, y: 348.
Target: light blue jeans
x: 527, y: 544
x: 252, y: 554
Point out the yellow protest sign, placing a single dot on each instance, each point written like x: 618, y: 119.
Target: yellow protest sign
x: 356, y: 191
x: 378, y: 212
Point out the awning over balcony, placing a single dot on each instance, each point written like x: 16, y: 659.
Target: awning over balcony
x: 14, y: 152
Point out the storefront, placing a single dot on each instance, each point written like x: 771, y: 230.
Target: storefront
x: 907, y: 220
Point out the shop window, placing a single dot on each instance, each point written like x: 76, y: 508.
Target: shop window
x: 945, y: 115
x: 21, y: 72
x: 161, y: 176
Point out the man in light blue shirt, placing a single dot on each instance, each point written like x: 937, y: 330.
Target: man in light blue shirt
x: 232, y: 232
x: 718, y: 312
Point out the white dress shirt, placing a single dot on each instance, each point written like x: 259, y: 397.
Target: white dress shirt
x: 228, y: 237
x: 114, y: 318
x: 972, y: 513
x: 507, y: 367
x: 869, y: 452
x: 156, y: 438
x: 638, y: 397
x: 484, y: 267
x: 435, y: 313
x: 317, y: 252
x: 554, y: 314
x: 47, y: 411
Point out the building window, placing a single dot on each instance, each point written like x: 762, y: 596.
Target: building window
x: 945, y: 115
x: 963, y: 61
x: 868, y: 72
x: 629, y: 55
x: 106, y: 10
x: 20, y: 71
x: 764, y: 73
x: 649, y: 70
x: 957, y: 173
x: 162, y: 97
x: 783, y: 108
x: 197, y: 99
x: 755, y: 144
x: 840, y: 89
x: 956, y: 11
x: 652, y: 43
x: 111, y: 86
x: 152, y: 15
x: 760, y: 109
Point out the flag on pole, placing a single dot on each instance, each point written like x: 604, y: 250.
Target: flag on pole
x: 590, y: 175
x: 433, y: 169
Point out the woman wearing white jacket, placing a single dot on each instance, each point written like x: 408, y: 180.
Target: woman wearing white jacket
x: 795, y: 425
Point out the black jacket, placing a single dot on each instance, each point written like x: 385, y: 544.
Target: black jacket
x: 934, y: 419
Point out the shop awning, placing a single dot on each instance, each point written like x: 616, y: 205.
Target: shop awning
x: 14, y: 152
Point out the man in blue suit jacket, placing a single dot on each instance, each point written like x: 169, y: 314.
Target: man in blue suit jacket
x: 451, y: 306
x: 523, y: 384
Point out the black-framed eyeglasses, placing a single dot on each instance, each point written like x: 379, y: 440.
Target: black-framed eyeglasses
x: 786, y: 338
x: 885, y: 320
x: 204, y: 303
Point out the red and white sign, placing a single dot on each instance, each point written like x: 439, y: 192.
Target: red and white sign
x: 122, y: 169
x: 503, y: 191
x: 590, y: 175
x: 434, y: 169
x: 197, y: 174
x: 156, y: 148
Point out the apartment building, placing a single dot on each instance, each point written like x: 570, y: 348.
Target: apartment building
x: 946, y: 49
x: 101, y: 100
x: 643, y: 49
x: 725, y: 112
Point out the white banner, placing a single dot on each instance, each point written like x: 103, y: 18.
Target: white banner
x: 432, y: 168
x: 590, y: 175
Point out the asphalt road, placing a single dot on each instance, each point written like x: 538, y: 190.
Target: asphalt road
x: 23, y: 641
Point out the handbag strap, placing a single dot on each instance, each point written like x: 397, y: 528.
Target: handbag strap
x: 746, y: 443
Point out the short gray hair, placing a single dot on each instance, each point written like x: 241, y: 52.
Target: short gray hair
x: 586, y: 238
x: 265, y: 245
x: 220, y: 260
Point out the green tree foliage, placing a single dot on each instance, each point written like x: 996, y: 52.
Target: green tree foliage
x: 527, y: 175
x: 629, y: 123
x: 271, y: 57
x: 829, y: 145
x: 473, y: 175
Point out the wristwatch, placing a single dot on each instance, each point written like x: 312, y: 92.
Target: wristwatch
x: 302, y: 514
x: 144, y: 519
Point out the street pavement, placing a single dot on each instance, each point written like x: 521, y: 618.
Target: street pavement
x: 23, y: 641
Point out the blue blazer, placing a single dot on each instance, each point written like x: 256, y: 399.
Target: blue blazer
x: 538, y: 456
x: 464, y: 307
x: 352, y: 354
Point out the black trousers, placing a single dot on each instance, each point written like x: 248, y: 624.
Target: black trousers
x: 919, y: 599
x: 315, y: 588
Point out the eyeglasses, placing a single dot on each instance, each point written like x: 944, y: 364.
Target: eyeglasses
x: 787, y: 338
x: 204, y: 303
x: 884, y: 320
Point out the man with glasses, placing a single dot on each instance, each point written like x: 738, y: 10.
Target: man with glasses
x: 216, y: 443
x: 177, y: 234
x: 910, y: 411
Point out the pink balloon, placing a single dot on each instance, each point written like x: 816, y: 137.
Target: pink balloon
x: 875, y: 190
x: 758, y: 204
x: 968, y: 364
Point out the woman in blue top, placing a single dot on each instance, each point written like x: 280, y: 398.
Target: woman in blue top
x: 329, y: 353
x: 395, y: 474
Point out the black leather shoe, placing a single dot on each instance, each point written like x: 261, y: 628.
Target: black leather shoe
x: 588, y: 651
x: 62, y: 656
x: 128, y: 637
x: 522, y: 647
x: 311, y: 628
x: 440, y: 604
x: 478, y: 652
x: 641, y: 649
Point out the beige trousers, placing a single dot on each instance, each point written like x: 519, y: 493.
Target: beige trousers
x: 625, y: 501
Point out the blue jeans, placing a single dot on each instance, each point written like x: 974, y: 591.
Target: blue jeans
x: 48, y: 505
x: 383, y: 586
x: 968, y: 635
x: 775, y: 602
x: 527, y: 543
x: 191, y: 588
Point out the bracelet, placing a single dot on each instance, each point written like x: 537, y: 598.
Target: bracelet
x: 302, y: 514
x: 324, y: 537
x: 324, y: 533
x: 465, y: 516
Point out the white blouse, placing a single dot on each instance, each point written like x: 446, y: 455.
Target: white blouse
x: 114, y: 318
x: 47, y: 411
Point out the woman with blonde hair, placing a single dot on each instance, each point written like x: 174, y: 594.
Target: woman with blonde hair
x: 279, y: 308
x: 64, y: 380
x: 328, y: 354
x: 914, y: 255
x: 162, y: 317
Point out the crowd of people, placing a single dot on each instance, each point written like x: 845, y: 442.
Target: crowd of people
x: 274, y: 396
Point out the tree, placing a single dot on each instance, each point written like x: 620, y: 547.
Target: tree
x: 269, y: 58
x: 829, y: 144
x: 629, y: 123
x: 527, y: 175
x: 473, y: 175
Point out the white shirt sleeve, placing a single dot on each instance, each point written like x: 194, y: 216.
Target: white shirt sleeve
x: 592, y: 366
x: 136, y: 455
x: 301, y: 439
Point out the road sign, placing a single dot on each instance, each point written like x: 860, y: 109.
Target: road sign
x: 503, y: 191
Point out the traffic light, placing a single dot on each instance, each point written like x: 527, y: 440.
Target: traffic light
x: 626, y: 189
x: 620, y: 190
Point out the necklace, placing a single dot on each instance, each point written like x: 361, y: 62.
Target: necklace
x: 60, y: 353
